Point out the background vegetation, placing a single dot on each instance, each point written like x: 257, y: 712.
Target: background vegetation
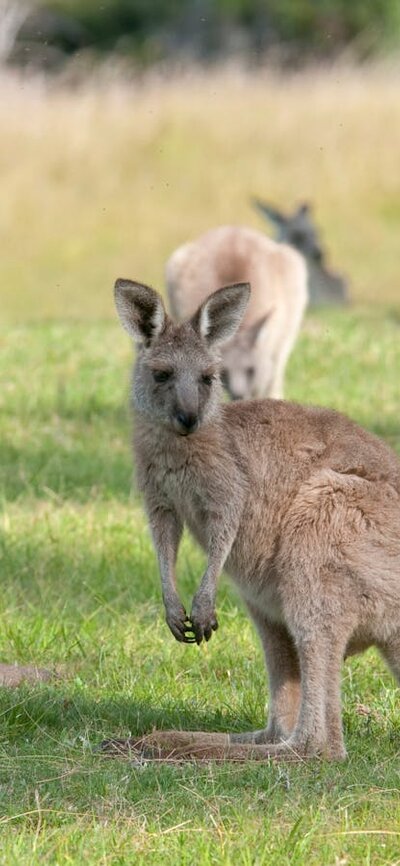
x: 107, y: 179
x: 103, y: 180
x: 291, y: 30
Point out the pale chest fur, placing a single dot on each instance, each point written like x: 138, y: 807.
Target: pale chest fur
x: 169, y: 474
x: 189, y: 493
x: 219, y: 484
x: 183, y: 491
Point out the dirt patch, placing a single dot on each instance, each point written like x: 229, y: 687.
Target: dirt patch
x: 12, y: 676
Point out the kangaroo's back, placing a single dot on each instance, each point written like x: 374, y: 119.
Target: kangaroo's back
x: 277, y: 274
x: 232, y: 254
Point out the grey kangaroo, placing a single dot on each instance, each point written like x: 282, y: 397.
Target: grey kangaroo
x: 299, y: 504
x: 300, y: 231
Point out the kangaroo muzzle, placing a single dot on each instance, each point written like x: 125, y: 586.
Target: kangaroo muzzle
x: 186, y: 422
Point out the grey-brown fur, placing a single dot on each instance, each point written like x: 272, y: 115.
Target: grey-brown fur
x: 13, y: 675
x: 254, y: 360
x: 300, y: 505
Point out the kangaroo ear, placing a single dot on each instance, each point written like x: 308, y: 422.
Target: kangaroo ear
x: 272, y: 213
x: 220, y: 315
x: 140, y: 309
x: 303, y: 209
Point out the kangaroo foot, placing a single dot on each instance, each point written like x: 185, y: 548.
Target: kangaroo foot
x: 195, y: 745
x: 271, y: 734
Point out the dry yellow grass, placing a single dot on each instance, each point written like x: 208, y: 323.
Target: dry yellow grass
x: 105, y: 179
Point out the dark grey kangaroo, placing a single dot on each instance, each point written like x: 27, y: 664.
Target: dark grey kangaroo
x: 299, y: 230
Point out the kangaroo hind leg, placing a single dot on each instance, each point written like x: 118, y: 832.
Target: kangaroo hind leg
x: 284, y: 682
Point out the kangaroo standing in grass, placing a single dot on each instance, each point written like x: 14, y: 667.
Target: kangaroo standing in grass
x: 254, y: 360
x: 298, y: 504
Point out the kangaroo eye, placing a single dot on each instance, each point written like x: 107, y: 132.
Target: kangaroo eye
x: 162, y: 375
x: 250, y: 372
x: 206, y: 378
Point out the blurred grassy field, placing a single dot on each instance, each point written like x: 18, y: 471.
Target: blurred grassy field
x: 105, y: 181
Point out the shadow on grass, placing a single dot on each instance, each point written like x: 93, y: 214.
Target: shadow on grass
x: 47, y: 709
x: 51, y: 738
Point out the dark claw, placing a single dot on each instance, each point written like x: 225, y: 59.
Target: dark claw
x: 182, y: 630
x: 204, y: 632
x: 176, y: 633
x: 198, y: 633
x: 179, y: 624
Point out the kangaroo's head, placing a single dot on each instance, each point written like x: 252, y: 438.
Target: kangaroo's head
x: 297, y: 229
x: 247, y: 368
x: 300, y: 231
x: 176, y: 379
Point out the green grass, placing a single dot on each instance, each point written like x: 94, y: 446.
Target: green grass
x: 80, y: 593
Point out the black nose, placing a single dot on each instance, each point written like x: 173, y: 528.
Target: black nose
x: 187, y: 421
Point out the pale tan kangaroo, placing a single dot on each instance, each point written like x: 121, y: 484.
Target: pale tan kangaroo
x: 298, y: 504
x: 254, y: 360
